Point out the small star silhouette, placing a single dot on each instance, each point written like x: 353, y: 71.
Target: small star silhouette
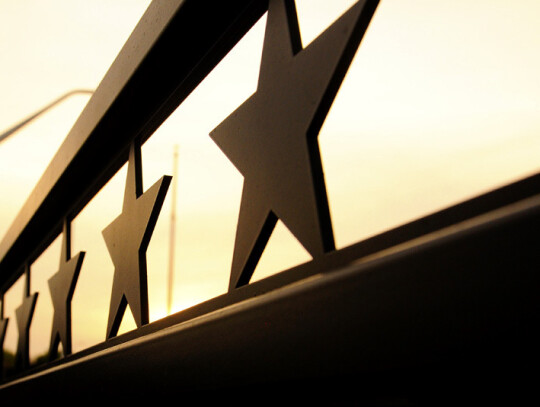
x: 127, y: 239
x: 24, y: 315
x: 3, y: 326
x: 62, y: 287
x: 272, y: 137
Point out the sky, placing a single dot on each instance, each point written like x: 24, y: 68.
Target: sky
x: 440, y: 104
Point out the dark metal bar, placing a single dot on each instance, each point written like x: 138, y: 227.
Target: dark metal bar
x: 421, y: 324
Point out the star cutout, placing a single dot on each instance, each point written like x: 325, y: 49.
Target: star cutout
x: 62, y: 287
x: 127, y: 239
x: 272, y: 137
x: 3, y: 327
x: 24, y: 315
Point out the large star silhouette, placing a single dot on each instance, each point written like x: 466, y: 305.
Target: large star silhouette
x: 272, y: 137
x: 127, y: 239
x: 24, y: 315
x: 62, y: 287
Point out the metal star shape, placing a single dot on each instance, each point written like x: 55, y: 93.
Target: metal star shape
x: 272, y: 137
x: 62, y: 287
x: 24, y: 315
x: 3, y: 327
x: 127, y: 239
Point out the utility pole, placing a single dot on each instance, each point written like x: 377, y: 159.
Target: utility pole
x: 172, y: 235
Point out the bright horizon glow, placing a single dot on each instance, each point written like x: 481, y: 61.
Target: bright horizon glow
x: 441, y: 103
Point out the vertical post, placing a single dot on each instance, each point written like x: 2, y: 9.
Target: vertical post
x: 66, y: 250
x: 172, y: 234
x: 26, y: 292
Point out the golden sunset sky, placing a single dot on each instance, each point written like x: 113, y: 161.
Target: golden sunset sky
x: 441, y: 103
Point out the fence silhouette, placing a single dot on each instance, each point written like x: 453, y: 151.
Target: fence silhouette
x: 435, y: 309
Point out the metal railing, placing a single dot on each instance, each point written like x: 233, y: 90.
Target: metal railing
x: 374, y: 311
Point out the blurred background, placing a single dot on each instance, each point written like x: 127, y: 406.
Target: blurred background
x: 441, y: 103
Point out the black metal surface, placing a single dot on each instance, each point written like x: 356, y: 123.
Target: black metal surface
x: 444, y: 320
x: 62, y: 287
x: 127, y: 239
x: 272, y: 137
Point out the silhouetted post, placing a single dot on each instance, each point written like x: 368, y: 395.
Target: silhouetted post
x: 172, y: 231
